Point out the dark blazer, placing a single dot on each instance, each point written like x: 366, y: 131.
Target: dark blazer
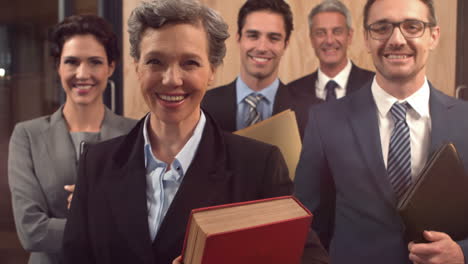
x: 303, y: 90
x: 108, y: 221
x: 341, y: 171
x: 41, y: 160
x: 221, y: 103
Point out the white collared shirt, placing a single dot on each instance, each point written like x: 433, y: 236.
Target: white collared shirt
x: 341, y: 79
x: 418, y: 119
x: 161, y: 184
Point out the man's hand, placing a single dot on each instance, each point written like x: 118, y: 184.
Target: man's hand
x: 441, y: 249
x: 71, y: 189
x: 178, y: 260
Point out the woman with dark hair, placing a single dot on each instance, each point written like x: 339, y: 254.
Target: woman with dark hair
x: 44, y: 152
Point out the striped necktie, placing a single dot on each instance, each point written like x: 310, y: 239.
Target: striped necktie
x: 330, y: 89
x: 253, y: 115
x: 399, y: 152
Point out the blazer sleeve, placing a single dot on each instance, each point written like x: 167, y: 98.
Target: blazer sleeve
x: 314, y: 185
x: 36, y: 230
x: 76, y: 242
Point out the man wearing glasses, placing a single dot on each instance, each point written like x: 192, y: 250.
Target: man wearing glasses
x: 353, y: 171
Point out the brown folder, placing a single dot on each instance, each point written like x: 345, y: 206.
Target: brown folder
x: 438, y: 200
x: 279, y: 130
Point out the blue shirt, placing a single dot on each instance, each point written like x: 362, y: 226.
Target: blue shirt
x: 265, y: 106
x: 162, y: 185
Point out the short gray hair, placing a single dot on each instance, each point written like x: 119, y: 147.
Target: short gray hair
x: 157, y: 13
x: 331, y: 6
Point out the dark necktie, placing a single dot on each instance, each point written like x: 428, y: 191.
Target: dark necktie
x: 253, y: 115
x: 399, y: 151
x: 330, y: 89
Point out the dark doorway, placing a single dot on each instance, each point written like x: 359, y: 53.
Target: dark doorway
x: 29, y: 87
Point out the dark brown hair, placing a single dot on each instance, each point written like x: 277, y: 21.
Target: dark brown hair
x: 275, y: 6
x: 83, y: 25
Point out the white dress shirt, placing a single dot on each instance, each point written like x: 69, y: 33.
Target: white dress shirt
x: 162, y: 184
x: 341, y: 79
x: 418, y: 119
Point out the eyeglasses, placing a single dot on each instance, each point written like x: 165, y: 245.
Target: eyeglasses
x: 409, y: 29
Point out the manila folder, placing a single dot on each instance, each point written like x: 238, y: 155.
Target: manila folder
x: 279, y: 130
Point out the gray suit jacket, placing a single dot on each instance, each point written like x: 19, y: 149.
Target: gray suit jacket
x: 41, y: 161
x: 342, y: 179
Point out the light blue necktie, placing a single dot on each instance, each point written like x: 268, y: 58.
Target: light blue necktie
x: 399, y: 152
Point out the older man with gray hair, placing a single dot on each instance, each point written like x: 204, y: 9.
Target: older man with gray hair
x: 330, y: 33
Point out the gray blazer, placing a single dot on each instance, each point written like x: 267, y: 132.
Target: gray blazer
x: 41, y: 160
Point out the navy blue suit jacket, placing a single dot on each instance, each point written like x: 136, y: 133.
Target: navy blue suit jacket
x: 342, y: 179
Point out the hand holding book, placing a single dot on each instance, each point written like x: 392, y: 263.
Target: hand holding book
x: 441, y: 247
x: 438, y: 200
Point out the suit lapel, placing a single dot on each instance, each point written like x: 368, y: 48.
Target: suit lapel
x: 203, y: 183
x: 283, y: 99
x: 127, y: 195
x: 228, y: 108
x: 202, y: 186
x: 362, y: 115
x: 439, y: 106
x: 353, y: 80
x: 110, y: 127
x: 60, y: 145
x: 308, y: 92
x: 60, y: 148
x: 311, y: 91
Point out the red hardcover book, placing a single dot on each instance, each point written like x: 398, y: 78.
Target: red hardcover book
x: 268, y: 231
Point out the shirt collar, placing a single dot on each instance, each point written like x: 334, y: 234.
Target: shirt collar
x: 185, y: 156
x: 419, y: 101
x: 341, y: 78
x: 147, y: 146
x: 268, y: 92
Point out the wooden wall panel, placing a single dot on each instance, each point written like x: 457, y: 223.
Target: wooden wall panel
x: 441, y: 69
x: 133, y: 101
x: 299, y: 58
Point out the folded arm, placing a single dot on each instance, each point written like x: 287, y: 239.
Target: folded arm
x: 36, y: 228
